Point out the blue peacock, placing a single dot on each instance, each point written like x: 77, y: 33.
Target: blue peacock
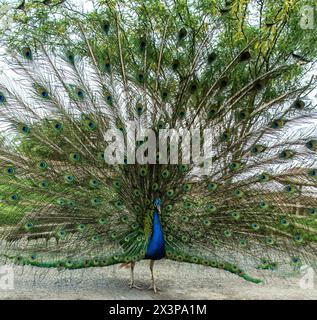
x: 164, y: 66
x: 156, y: 245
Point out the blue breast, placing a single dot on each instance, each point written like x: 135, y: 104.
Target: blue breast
x: 156, y: 246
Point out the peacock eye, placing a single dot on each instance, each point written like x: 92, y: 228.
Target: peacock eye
x: 60, y: 202
x: 193, y: 87
x: 235, y: 215
x: 283, y: 221
x: 212, y: 186
x: 255, y: 226
x: 107, y: 64
x: 299, y: 104
x: 225, y: 136
x: 165, y: 173
x: 43, y: 165
x: 2, y: 98
x: 142, y: 43
x: 269, y: 240
x: 69, y: 178
x: 312, y: 211
x: 94, y: 182
x: 141, y: 77
x: 243, y: 243
x: 44, y: 184
x: 29, y: 225
x: 170, y: 193
x: 71, y: 58
x: 211, y: 57
x: 10, y: 170
x: 44, y: 94
x: 75, y: 156
x: 143, y: 172
x: 24, y: 128
x: 135, y: 226
x: 227, y: 233
x: 61, y: 234
x: 184, y: 238
x: 27, y: 53
x: 298, y: 238
x: 223, y: 82
x: 182, y: 114
x: 243, y: 114
x: 124, y: 219
x: 71, y: 203
x: 245, y: 56
x: 106, y: 26
x: 175, y: 64
x: 182, y: 34
x: 102, y: 220
x: 312, y: 145
x: 95, y: 201
x: 238, y: 193
x: 117, y: 184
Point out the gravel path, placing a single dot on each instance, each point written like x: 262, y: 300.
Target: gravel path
x: 177, y: 281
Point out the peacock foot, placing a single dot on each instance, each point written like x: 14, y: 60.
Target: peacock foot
x: 133, y: 285
x: 154, y: 287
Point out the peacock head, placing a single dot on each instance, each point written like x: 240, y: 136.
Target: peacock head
x: 157, y: 204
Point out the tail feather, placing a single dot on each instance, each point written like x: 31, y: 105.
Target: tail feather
x: 67, y: 206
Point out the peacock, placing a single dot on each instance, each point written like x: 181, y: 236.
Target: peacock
x: 162, y: 65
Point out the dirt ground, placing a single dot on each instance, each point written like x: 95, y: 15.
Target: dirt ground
x: 176, y: 281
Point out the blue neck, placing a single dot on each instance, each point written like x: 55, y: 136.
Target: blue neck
x: 156, y: 245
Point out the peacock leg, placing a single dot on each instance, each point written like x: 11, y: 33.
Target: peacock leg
x: 153, y: 285
x: 132, y: 285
